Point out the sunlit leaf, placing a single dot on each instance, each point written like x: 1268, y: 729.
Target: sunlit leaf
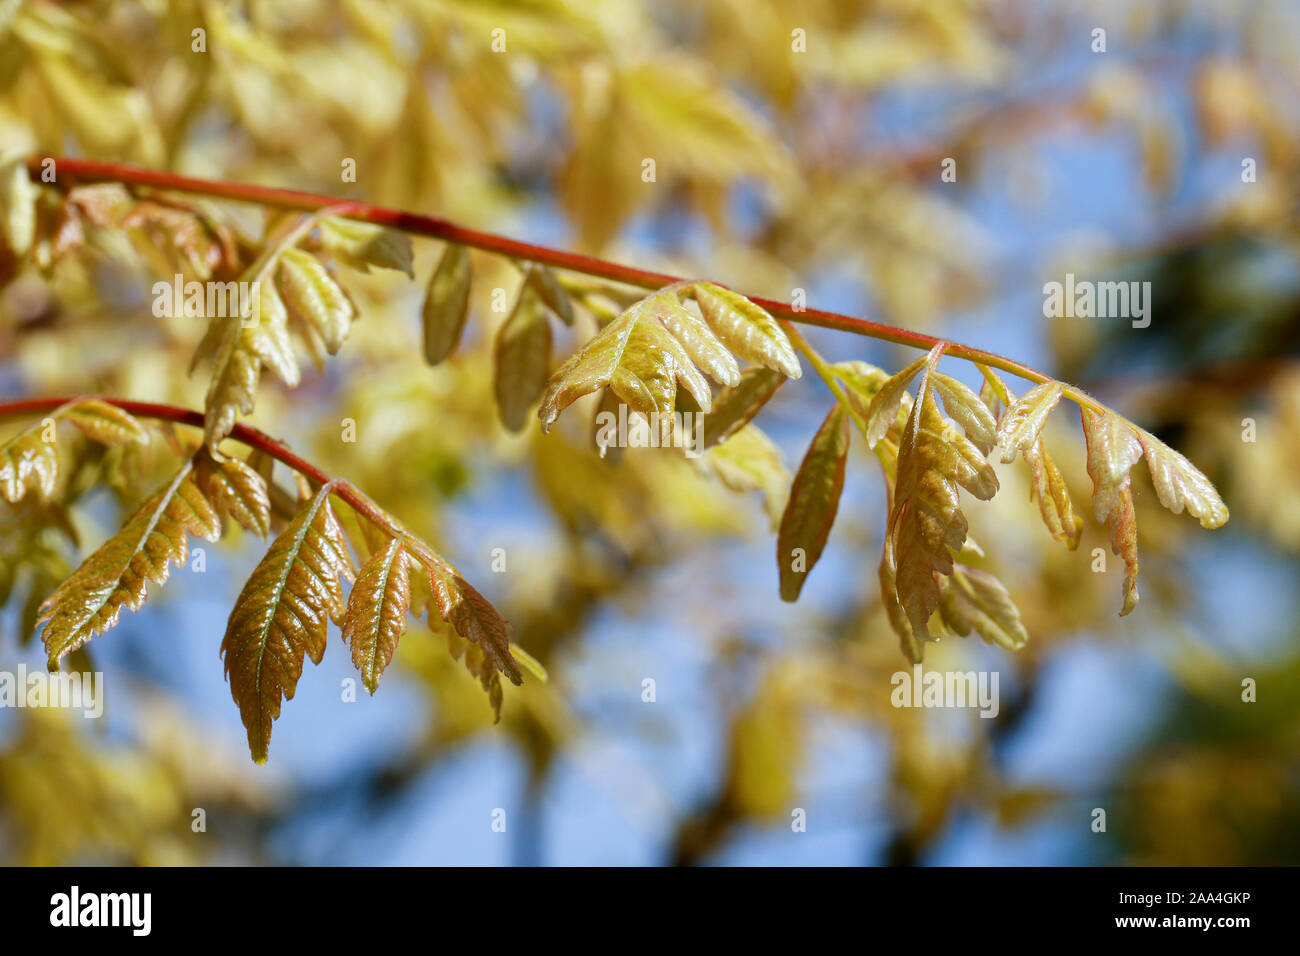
x: 926, y: 524
x: 376, y: 614
x: 523, y: 358
x: 282, y: 615
x: 737, y: 405
x: 1180, y: 485
x: 1048, y: 488
x: 362, y: 245
x: 237, y: 492
x: 117, y: 575
x: 17, y: 205
x: 967, y: 409
x: 1024, y: 419
x: 105, y: 423
x: 1113, y: 449
x: 243, y: 345
x: 976, y: 600
x: 637, y: 357
x: 446, y: 304
x: 474, y: 618
x: 884, y: 406
x: 312, y: 295
x: 814, y: 501
x: 749, y: 331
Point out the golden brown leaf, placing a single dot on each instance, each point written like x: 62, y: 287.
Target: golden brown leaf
x: 748, y: 330
x: 474, y: 618
x: 967, y: 409
x: 30, y: 459
x: 736, y: 406
x: 376, y: 614
x: 911, y: 642
x: 814, y: 501
x: 283, y: 614
x: 1048, y: 488
x: 236, y: 490
x: 636, y: 357
x: 926, y: 524
x: 884, y: 406
x: 1024, y: 419
x: 700, y: 342
x: 974, y: 599
x: 523, y: 358
x: 152, y: 538
x: 446, y: 304
x: 243, y: 345
x: 1113, y: 450
x: 105, y: 423
x: 312, y: 296
x: 1180, y: 485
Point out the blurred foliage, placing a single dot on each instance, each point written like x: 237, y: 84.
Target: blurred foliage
x: 775, y: 168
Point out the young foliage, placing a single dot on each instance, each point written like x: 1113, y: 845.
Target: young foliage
x: 30, y: 459
x: 523, y: 357
x: 657, y: 344
x: 736, y: 405
x: 282, y: 615
x: 927, y: 524
x: 814, y: 501
x: 376, y: 615
x: 117, y: 575
x: 644, y: 353
x: 446, y: 304
x: 1113, y: 449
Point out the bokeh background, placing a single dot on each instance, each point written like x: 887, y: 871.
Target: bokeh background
x: 777, y: 168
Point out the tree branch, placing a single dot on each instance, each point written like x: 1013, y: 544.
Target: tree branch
x: 253, y: 438
x: 90, y: 170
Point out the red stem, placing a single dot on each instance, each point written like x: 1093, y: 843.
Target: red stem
x: 253, y: 438
x: 92, y: 170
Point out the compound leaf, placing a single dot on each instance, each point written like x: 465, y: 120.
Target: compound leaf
x: 283, y: 615
x: 474, y: 618
x: 237, y: 491
x: 152, y: 538
x: 926, y: 523
x: 635, y: 356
